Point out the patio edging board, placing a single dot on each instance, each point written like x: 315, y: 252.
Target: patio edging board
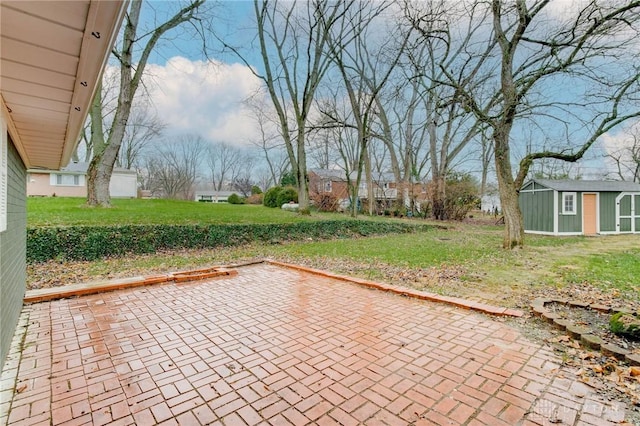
x: 73, y: 290
x: 403, y: 291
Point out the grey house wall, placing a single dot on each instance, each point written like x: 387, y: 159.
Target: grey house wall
x: 13, y: 251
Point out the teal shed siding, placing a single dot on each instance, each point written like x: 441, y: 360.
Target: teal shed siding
x: 537, y: 210
x: 570, y: 223
x: 607, y: 211
x: 637, y: 206
x: 625, y: 210
x: 13, y: 251
x: 541, y: 203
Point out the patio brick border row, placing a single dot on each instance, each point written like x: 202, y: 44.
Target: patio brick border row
x: 403, y: 291
x: 47, y: 294
x: 583, y: 334
x: 42, y: 295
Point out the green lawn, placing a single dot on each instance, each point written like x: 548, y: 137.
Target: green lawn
x: 61, y: 211
x: 455, y: 259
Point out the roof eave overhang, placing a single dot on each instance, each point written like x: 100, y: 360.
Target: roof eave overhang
x: 101, y: 31
x: 102, y: 23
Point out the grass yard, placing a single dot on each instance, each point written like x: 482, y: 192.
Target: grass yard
x: 65, y: 211
x: 462, y: 259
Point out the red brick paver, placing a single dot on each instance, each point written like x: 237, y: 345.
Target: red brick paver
x: 275, y: 346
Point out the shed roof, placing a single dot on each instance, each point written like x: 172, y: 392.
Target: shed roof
x: 589, y: 185
x: 338, y: 175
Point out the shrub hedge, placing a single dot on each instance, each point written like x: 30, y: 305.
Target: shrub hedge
x: 270, y: 198
x: 96, y: 242
x: 286, y: 196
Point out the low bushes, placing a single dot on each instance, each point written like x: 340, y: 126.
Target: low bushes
x: 270, y: 198
x: 326, y: 202
x: 96, y: 242
x: 278, y: 195
x: 235, y: 199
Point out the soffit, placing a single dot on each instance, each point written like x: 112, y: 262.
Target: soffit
x: 52, y: 54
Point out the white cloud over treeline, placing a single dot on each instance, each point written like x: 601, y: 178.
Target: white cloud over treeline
x: 206, y: 98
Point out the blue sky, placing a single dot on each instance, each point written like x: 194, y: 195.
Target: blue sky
x: 196, y: 95
x: 193, y: 95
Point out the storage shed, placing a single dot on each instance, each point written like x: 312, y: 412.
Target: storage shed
x: 580, y: 207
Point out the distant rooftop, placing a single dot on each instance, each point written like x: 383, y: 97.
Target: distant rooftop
x: 80, y: 168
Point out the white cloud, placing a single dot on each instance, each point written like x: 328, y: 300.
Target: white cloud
x: 621, y: 145
x: 204, y: 98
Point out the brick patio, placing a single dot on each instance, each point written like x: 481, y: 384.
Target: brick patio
x: 276, y: 346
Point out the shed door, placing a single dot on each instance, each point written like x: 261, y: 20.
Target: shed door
x: 589, y: 214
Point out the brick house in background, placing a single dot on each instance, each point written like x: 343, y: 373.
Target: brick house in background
x: 325, y: 181
x: 71, y: 181
x: 386, y: 191
x: 53, y: 55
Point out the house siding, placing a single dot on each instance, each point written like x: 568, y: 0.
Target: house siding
x: 625, y: 210
x: 12, y: 251
x: 608, y: 211
x: 570, y: 223
x: 39, y: 184
x: 637, y: 212
x: 618, y: 206
x: 121, y: 185
x: 537, y: 208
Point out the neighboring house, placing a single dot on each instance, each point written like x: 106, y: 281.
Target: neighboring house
x: 53, y: 55
x: 71, y: 181
x: 213, y: 196
x: 334, y: 182
x: 580, y: 207
x: 385, y: 189
x: 324, y: 181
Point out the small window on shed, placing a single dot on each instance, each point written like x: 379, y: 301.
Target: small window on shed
x: 568, y: 203
x: 327, y: 186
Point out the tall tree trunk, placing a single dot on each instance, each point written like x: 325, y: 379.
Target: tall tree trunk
x: 301, y: 174
x: 97, y: 180
x: 514, y: 229
x: 371, y: 195
x: 438, y: 181
x: 101, y: 167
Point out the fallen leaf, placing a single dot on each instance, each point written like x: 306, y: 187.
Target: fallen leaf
x: 634, y: 371
x: 574, y: 344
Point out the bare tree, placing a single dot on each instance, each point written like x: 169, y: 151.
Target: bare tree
x: 104, y: 103
x: 222, y: 160
x: 364, y: 63
x: 448, y: 126
x: 173, y: 169
x: 292, y: 39
x: 143, y: 127
x: 131, y: 70
x: 625, y: 154
x: 403, y: 126
x: 592, y: 46
x: 242, y: 179
x: 270, y: 142
x: 486, y: 158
